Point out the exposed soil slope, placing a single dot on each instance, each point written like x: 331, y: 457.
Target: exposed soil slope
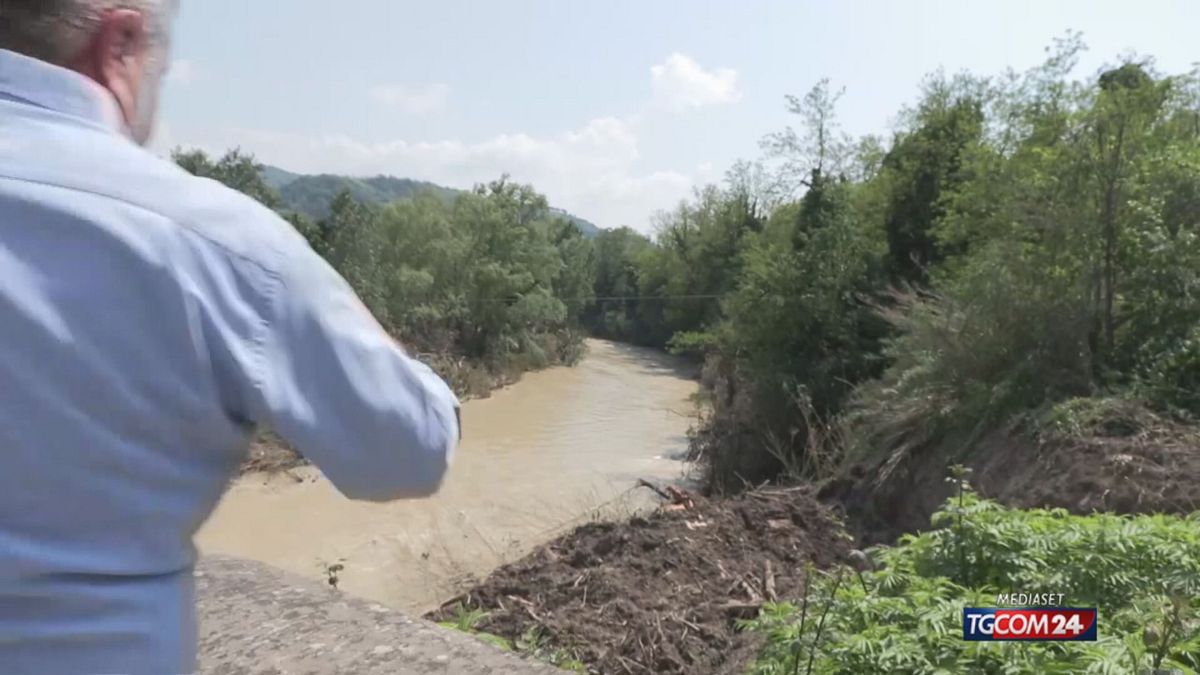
x: 1131, y: 462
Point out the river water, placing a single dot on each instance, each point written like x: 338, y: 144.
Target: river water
x: 560, y: 447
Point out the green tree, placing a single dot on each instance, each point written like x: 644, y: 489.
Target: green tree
x: 922, y: 166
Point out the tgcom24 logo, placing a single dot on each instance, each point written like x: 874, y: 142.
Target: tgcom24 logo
x: 1030, y: 624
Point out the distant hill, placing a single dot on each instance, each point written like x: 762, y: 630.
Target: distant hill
x: 588, y: 228
x: 277, y: 177
x: 311, y: 195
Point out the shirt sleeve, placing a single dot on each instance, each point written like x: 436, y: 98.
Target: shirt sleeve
x: 334, y: 384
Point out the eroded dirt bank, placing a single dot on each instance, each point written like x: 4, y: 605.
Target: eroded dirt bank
x: 1132, y: 461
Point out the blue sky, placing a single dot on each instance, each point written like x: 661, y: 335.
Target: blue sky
x: 614, y: 109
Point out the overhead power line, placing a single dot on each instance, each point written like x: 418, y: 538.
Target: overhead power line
x: 614, y: 298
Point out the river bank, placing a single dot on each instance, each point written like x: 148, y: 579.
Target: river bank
x: 561, y: 447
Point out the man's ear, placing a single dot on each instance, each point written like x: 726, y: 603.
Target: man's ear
x: 116, y: 56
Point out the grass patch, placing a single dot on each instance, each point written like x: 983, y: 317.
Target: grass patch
x: 532, y: 644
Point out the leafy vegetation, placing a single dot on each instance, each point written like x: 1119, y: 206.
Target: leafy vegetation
x: 1142, y: 572
x: 467, y: 621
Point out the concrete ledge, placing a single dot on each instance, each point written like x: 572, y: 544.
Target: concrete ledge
x: 255, y: 619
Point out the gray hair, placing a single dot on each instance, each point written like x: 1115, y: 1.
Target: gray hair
x: 56, y: 31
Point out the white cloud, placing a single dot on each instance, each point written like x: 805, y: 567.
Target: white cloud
x: 181, y: 72
x: 680, y: 83
x: 593, y: 171
x: 590, y: 171
x: 416, y: 100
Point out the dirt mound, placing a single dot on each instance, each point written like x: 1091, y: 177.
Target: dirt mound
x: 1135, y: 462
x: 660, y: 594
x: 1150, y: 469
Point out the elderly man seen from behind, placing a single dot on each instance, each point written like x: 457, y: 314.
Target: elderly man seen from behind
x: 149, y: 320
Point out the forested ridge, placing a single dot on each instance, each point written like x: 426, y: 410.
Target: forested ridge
x: 1019, y: 241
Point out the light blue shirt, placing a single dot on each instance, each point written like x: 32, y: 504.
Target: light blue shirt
x: 148, y: 321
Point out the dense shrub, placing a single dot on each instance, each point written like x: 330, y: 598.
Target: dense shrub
x: 1143, y: 573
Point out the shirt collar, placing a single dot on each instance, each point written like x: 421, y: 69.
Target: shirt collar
x: 58, y: 89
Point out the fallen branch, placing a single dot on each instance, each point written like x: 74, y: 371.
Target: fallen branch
x: 528, y: 607
x: 642, y: 482
x: 754, y: 596
x: 687, y: 623
x: 678, y: 499
x: 742, y: 610
x: 626, y: 661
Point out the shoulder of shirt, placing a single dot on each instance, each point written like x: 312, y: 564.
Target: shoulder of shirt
x: 228, y: 219
x: 109, y: 166
x: 210, y: 211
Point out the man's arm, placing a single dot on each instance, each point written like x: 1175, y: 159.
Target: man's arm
x: 335, y: 385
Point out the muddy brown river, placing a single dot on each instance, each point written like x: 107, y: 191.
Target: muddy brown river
x: 560, y: 447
